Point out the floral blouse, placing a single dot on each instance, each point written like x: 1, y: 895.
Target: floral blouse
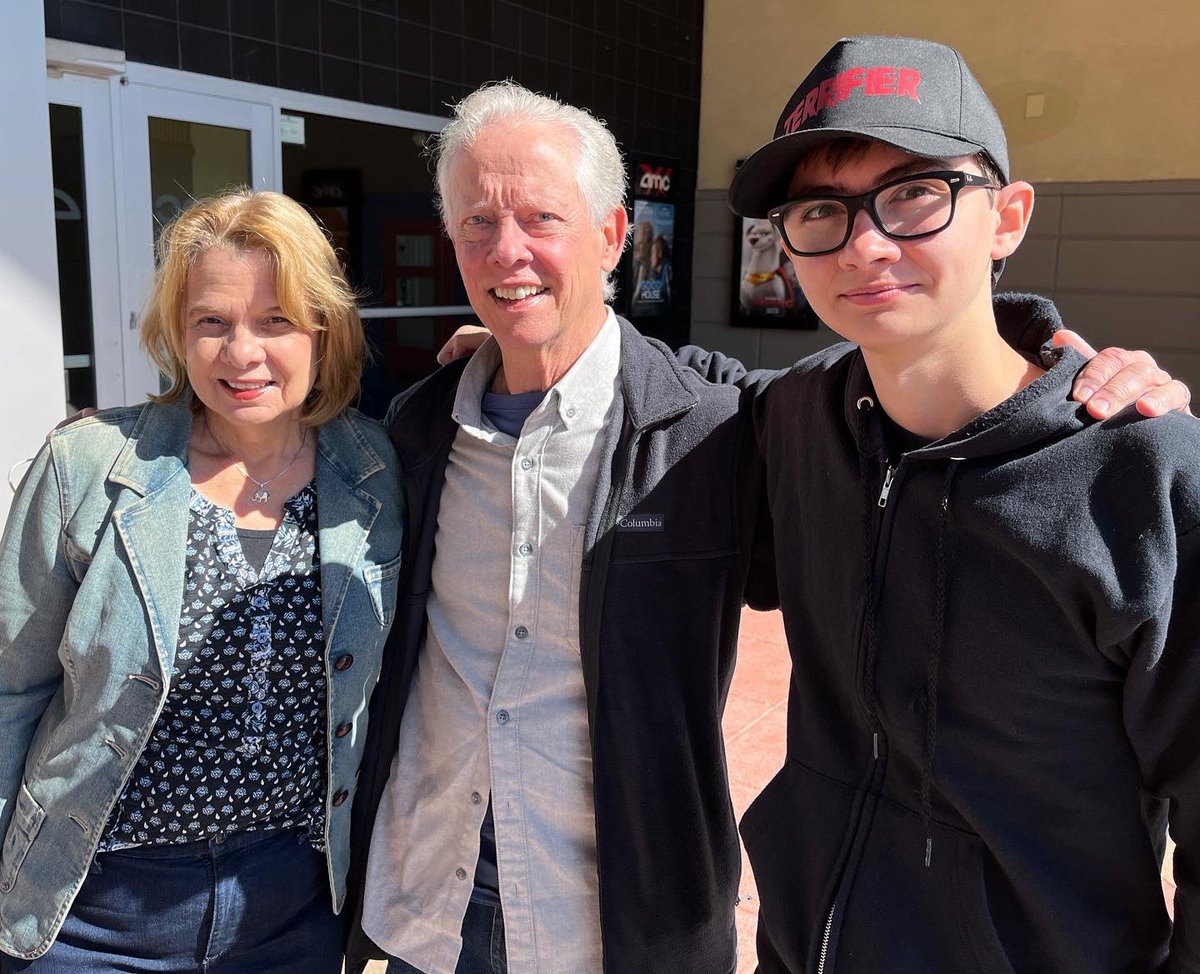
x: 240, y: 743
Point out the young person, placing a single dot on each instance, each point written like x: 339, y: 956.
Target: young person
x: 996, y: 694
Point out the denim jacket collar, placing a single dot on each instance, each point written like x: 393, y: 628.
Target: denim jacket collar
x: 152, y: 520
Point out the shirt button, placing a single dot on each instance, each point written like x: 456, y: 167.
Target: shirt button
x: 343, y: 730
x: 343, y: 663
x: 526, y: 463
x: 501, y: 716
x: 460, y: 873
x: 526, y: 548
x: 570, y: 411
x: 476, y: 798
x: 340, y: 797
x: 521, y: 632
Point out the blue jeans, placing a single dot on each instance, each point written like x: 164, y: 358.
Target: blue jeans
x: 483, y: 944
x: 249, y: 903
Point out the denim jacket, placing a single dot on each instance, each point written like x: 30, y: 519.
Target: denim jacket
x: 91, y: 583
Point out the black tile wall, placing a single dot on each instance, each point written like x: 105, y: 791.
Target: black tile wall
x: 299, y: 71
x: 253, y: 18
x: 339, y: 30
x: 205, y: 13
x: 151, y: 39
x: 53, y: 19
x: 204, y: 51
x: 378, y: 35
x: 448, y: 16
x: 477, y: 19
x: 506, y: 26
x: 413, y: 46
x: 299, y: 23
x: 340, y: 79
x: 416, y: 11
x: 448, y: 57
x: 88, y: 23
x: 255, y: 60
x: 634, y: 63
x: 379, y: 85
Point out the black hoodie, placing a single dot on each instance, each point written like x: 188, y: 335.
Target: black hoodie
x: 995, y: 700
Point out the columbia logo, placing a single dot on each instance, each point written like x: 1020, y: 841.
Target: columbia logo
x: 640, y: 522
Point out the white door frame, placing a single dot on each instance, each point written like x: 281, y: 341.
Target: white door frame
x: 139, y: 104
x: 94, y: 96
x: 116, y: 99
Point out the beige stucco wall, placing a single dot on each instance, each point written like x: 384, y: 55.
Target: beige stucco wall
x: 1121, y: 80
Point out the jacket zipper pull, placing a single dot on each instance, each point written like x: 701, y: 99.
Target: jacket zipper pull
x: 887, y: 485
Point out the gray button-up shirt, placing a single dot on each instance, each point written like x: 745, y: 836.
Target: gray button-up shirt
x: 497, y: 704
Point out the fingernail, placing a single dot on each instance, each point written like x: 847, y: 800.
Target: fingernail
x: 1085, y: 392
x: 1099, y: 405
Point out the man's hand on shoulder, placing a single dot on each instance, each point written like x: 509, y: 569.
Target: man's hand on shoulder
x: 1116, y: 377
x: 465, y: 340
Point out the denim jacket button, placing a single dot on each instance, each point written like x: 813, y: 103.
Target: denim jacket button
x: 343, y: 729
x: 343, y: 663
x: 340, y: 797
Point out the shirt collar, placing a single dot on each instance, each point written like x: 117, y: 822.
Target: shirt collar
x: 584, y: 393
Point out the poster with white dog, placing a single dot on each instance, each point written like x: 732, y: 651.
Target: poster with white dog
x: 768, y: 295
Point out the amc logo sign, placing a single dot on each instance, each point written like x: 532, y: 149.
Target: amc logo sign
x: 653, y: 180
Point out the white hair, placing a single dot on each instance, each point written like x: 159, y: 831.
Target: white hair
x: 600, y: 170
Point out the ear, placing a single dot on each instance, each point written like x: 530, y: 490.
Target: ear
x: 1014, y: 208
x: 615, y: 228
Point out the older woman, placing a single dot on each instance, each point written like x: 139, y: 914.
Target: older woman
x: 194, y: 594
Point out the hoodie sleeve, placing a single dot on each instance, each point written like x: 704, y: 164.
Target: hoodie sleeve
x: 1162, y: 716
x: 721, y: 369
x: 37, y: 589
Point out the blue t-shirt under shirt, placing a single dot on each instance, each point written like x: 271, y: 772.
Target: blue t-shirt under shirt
x: 507, y: 412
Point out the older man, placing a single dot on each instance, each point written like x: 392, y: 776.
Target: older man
x: 562, y: 663
x: 582, y: 523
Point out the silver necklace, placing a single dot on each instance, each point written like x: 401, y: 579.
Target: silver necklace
x: 262, y: 495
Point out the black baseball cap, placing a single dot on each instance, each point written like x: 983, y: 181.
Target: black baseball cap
x: 914, y: 94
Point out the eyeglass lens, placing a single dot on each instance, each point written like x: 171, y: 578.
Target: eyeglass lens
x: 909, y: 209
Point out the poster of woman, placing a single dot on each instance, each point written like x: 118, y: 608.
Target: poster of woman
x: 653, y: 241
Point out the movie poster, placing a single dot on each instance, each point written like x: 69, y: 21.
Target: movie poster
x: 651, y: 272
x: 767, y: 294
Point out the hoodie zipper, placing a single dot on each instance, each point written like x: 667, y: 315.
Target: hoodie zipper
x: 825, y: 941
x: 889, y: 477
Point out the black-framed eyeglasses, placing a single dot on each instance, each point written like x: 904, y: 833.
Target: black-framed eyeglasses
x: 903, y: 209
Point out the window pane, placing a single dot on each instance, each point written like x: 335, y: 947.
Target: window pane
x: 74, y: 278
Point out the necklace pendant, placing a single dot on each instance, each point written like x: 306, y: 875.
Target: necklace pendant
x: 261, y: 496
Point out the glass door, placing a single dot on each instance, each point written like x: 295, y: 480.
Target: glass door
x: 81, y: 148
x: 177, y: 146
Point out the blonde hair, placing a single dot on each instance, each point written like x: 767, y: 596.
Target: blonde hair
x: 311, y: 286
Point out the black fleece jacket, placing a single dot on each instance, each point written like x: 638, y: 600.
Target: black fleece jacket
x: 995, y: 702
x: 667, y: 555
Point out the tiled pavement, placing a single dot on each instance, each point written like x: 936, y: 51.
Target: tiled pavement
x: 755, y: 734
